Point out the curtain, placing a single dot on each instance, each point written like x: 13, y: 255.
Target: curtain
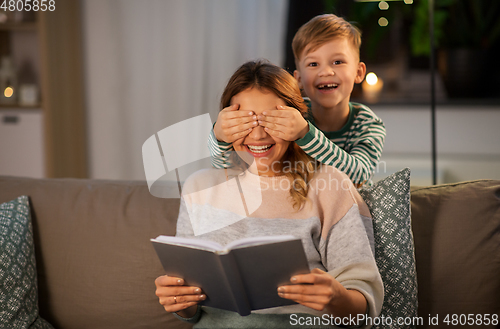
x: 151, y: 64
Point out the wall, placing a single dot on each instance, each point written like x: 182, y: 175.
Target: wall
x: 468, y: 142
x: 21, y: 143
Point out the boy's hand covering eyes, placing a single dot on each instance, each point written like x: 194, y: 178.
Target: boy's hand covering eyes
x: 232, y: 124
x: 285, y: 122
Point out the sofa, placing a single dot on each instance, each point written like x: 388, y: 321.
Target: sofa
x: 96, y: 266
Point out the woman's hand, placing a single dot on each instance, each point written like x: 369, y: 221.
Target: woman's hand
x: 286, y: 123
x: 232, y: 124
x: 176, y: 297
x: 319, y: 291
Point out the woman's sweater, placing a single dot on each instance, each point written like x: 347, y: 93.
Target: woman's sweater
x: 222, y: 206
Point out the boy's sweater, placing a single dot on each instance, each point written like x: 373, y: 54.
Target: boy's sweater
x: 355, y: 149
x: 331, y: 225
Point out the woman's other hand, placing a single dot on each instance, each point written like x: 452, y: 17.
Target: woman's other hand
x: 320, y: 291
x: 176, y: 297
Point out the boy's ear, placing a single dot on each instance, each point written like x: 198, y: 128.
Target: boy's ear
x: 296, y: 75
x: 360, y: 73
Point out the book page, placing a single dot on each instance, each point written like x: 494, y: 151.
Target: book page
x: 191, y: 243
x: 258, y: 240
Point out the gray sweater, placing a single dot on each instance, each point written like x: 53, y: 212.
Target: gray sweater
x: 332, y: 225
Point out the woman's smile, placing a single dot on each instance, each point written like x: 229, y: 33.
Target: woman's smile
x: 259, y: 150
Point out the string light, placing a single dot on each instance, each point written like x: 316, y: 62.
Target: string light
x: 382, y: 21
x: 383, y: 5
x: 371, y: 78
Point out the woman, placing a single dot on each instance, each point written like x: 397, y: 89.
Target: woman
x: 318, y: 204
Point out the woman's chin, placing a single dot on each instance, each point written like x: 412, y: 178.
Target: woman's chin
x: 260, y: 163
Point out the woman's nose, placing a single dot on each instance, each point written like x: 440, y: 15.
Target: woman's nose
x: 258, y: 133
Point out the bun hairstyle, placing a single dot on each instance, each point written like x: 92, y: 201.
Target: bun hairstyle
x: 263, y: 75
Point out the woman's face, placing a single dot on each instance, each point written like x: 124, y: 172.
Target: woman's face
x: 265, y: 150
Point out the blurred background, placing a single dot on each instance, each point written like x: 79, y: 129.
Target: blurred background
x: 84, y: 83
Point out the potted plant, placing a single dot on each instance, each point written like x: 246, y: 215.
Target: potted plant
x: 467, y: 34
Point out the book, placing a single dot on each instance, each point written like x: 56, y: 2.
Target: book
x: 241, y: 276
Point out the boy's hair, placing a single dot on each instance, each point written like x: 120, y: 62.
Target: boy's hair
x: 263, y: 75
x: 322, y: 29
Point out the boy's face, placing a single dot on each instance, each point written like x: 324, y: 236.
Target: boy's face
x: 328, y: 74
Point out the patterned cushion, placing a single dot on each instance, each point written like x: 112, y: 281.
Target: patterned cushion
x: 18, y: 281
x: 389, y: 203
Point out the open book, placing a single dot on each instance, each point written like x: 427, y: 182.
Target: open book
x: 240, y: 277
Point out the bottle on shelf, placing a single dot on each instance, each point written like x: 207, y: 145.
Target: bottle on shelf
x: 8, y: 82
x: 28, y: 87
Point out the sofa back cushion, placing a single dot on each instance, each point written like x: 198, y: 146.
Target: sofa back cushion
x: 456, y: 231
x: 96, y: 265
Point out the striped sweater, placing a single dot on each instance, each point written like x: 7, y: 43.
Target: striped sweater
x: 334, y: 226
x: 355, y: 149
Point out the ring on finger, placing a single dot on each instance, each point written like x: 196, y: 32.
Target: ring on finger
x: 175, y: 299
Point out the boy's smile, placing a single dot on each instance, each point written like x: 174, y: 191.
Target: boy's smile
x: 326, y: 87
x: 328, y: 74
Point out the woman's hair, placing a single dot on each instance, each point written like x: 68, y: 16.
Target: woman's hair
x: 263, y: 75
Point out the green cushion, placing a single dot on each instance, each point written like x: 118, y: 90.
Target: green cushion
x: 389, y: 203
x: 18, y: 280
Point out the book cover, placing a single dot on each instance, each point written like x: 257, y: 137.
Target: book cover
x: 240, y: 277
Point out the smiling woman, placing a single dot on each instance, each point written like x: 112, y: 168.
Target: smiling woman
x: 286, y: 193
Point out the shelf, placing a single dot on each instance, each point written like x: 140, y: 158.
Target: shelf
x: 16, y: 107
x: 22, y: 26
x: 51, y: 42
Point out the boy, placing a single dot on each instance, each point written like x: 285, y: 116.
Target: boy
x: 346, y: 135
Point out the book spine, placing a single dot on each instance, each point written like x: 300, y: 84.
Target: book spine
x: 235, y: 282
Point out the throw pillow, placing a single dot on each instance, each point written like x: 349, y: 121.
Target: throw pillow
x: 389, y: 204
x: 18, y: 280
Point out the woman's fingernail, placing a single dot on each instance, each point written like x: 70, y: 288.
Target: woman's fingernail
x: 197, y: 290
x: 293, y: 279
x: 281, y: 290
x: 179, y: 281
x: 201, y: 297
